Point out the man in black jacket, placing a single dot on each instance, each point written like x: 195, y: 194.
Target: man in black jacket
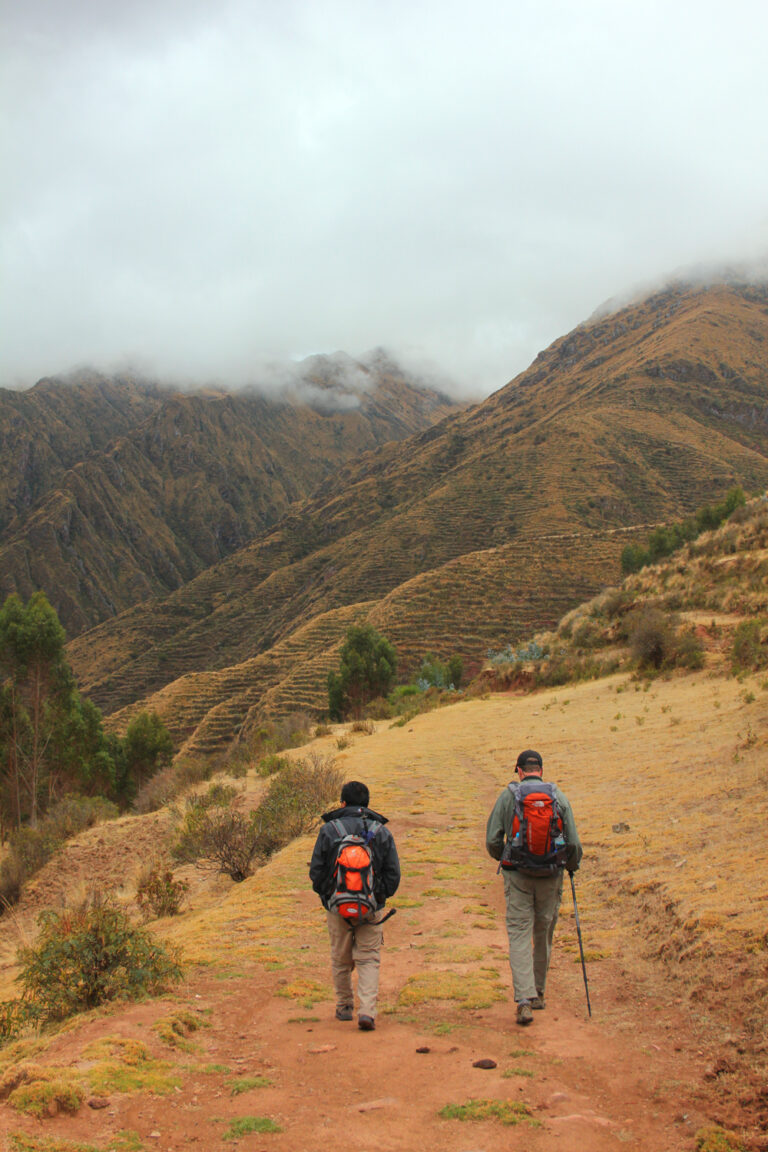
x: 359, y: 946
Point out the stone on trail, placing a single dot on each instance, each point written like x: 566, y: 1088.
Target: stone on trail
x: 484, y: 1063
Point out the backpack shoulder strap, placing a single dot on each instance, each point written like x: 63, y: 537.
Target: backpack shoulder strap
x: 339, y: 828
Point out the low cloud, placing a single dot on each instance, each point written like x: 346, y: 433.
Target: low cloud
x: 204, y: 190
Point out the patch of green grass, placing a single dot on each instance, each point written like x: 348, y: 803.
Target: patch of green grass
x: 303, y: 1019
x: 307, y: 991
x: 504, y: 1111
x: 21, y: 1142
x: 471, y: 990
x: 244, y: 1125
x: 509, y: 1072
x: 125, y: 1065
x: 247, y: 1083
x: 215, y: 1070
x: 175, y: 1030
x: 43, y: 1097
x: 716, y: 1139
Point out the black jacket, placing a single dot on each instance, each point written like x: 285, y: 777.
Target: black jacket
x: 386, y: 865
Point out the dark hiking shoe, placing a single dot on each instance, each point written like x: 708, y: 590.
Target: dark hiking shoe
x: 366, y: 1023
x: 344, y: 1014
x: 537, y: 1002
x: 524, y: 1013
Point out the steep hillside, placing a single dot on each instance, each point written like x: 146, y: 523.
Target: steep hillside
x: 50, y: 428
x: 190, y: 483
x: 495, y: 521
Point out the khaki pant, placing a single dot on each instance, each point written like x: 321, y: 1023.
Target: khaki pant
x: 357, y: 948
x: 533, y: 903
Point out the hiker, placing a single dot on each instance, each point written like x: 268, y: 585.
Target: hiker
x: 354, y: 880
x: 536, y: 821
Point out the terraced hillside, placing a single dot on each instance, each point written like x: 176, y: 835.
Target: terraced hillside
x: 124, y: 492
x: 492, y: 523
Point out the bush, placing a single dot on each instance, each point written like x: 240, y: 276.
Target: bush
x: 216, y: 835
x: 294, y: 800
x: 89, y: 955
x: 158, y: 894
x: 750, y: 646
x: 367, y: 727
x: 689, y: 651
x: 268, y: 765
x: 651, y: 637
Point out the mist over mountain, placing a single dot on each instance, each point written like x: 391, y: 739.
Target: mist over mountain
x: 116, y: 490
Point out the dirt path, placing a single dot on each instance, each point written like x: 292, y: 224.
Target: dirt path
x: 259, y: 987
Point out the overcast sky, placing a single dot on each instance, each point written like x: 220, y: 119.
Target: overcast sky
x: 196, y: 187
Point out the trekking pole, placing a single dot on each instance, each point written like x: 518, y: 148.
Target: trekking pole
x: 581, y: 946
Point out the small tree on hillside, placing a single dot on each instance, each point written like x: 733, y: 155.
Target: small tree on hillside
x: 147, y: 748
x: 368, y: 665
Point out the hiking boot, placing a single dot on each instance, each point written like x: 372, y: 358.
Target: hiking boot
x: 344, y: 1013
x: 524, y: 1013
x: 366, y: 1023
x: 537, y: 1002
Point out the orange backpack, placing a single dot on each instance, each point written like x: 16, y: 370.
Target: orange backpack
x: 536, y: 842
x: 352, y: 895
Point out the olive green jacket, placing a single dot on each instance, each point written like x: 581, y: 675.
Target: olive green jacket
x: 500, y: 825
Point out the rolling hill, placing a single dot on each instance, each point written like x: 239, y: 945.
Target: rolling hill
x: 117, y: 491
x: 477, y: 531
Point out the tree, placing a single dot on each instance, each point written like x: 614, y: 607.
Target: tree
x: 38, y: 697
x: 51, y: 740
x: 147, y: 748
x: 368, y: 664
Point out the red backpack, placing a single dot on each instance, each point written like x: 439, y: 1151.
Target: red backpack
x: 536, y: 842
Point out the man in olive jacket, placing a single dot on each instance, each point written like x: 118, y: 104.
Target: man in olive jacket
x: 533, y: 902
x: 357, y: 947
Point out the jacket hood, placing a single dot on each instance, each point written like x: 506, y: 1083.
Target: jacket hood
x: 351, y: 810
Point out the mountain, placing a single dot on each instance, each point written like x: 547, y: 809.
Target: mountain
x: 117, y: 491
x: 476, y: 532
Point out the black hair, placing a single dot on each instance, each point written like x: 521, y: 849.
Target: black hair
x: 355, y: 794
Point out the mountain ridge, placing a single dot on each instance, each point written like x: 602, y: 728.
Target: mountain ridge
x: 630, y: 420
x: 194, y: 476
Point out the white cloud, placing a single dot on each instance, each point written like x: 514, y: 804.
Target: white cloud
x: 205, y: 187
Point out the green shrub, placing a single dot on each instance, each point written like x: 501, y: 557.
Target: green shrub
x: 651, y: 637
x: 294, y: 800
x: 689, y: 650
x: 272, y: 763
x: 215, y: 834
x: 750, y: 646
x: 159, y: 894
x: 88, y: 955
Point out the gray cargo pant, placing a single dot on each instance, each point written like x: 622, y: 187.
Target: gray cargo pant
x: 533, y: 903
x: 359, y: 948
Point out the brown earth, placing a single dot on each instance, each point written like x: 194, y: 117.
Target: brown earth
x: 674, y: 932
